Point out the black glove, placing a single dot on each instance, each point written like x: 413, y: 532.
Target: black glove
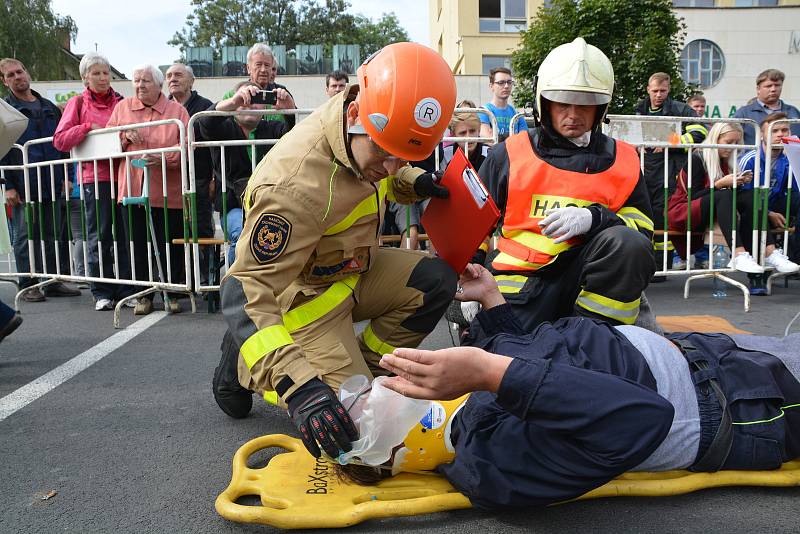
x: 321, y: 419
x: 427, y: 185
x: 479, y: 257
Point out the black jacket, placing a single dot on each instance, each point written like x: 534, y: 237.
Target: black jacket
x: 238, y: 166
x: 203, y: 165
x: 42, y: 124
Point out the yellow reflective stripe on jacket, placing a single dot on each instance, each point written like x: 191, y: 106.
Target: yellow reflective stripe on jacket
x: 697, y: 128
x: 624, y: 312
x: 263, y: 342
x: 632, y: 215
x: 366, y: 207
x: 508, y: 259
x: 388, y: 189
x: 510, y: 283
x: 374, y: 343
x: 315, y: 309
x: 537, y: 242
x: 659, y: 245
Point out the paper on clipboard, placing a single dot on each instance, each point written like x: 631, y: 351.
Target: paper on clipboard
x: 475, y: 187
x: 101, y: 145
x: 459, y: 223
x: 792, y: 150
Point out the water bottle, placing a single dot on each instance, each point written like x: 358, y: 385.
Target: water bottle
x: 720, y: 261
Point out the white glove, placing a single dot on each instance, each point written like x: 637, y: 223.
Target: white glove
x: 565, y: 223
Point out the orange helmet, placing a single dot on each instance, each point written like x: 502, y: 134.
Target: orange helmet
x: 408, y: 94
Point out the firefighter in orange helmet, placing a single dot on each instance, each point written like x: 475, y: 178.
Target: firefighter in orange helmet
x: 308, y: 263
x: 576, y: 227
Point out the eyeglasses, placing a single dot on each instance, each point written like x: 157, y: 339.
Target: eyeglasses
x: 382, y: 154
x: 503, y: 83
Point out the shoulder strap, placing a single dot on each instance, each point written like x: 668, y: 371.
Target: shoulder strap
x: 78, y: 104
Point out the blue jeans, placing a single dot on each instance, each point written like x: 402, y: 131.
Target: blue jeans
x: 234, y: 222
x: 99, y: 208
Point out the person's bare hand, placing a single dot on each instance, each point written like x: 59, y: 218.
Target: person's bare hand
x: 477, y: 283
x: 284, y: 99
x: 776, y: 220
x: 392, y: 165
x: 244, y: 95
x: 212, y: 189
x: 727, y: 180
x: 152, y: 159
x: 443, y: 374
x: 134, y: 137
x: 12, y: 197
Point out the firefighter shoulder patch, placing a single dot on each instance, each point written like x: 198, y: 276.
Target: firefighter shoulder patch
x: 270, y: 236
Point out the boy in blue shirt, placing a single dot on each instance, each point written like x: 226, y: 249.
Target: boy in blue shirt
x: 778, y: 180
x: 500, y: 84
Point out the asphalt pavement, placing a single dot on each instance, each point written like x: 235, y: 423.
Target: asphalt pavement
x: 135, y: 443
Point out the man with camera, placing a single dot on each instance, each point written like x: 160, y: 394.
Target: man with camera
x: 261, y: 67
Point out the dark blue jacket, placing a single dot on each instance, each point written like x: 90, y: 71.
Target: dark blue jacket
x: 577, y: 407
x: 43, y: 125
x: 757, y: 112
x: 778, y: 178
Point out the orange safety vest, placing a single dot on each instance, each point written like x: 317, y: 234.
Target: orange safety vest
x: 535, y: 186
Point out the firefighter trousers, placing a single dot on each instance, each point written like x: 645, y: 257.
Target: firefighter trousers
x: 402, y: 296
x: 604, y: 278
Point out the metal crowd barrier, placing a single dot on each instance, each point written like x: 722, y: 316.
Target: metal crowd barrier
x: 8, y: 266
x: 34, y: 210
x: 192, y: 241
x: 223, y: 244
x: 764, y: 200
x: 663, y: 236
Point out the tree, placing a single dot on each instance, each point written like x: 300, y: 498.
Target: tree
x: 640, y: 37
x: 32, y: 33
x: 218, y: 23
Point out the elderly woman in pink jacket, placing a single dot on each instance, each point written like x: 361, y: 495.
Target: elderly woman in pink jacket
x: 85, y: 112
x: 148, y: 105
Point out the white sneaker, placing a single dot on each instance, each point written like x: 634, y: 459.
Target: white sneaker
x: 744, y: 262
x: 780, y: 262
x: 103, y: 305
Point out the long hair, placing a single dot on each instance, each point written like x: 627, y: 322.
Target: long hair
x: 711, y: 155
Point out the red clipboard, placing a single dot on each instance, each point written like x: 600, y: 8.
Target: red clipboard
x: 457, y: 225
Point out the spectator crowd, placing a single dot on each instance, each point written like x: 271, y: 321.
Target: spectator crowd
x: 59, y: 204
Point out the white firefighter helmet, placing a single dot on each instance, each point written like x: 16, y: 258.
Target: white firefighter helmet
x: 575, y: 73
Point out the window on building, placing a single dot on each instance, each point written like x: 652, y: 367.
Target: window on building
x: 502, y: 16
x: 702, y: 63
x: 693, y: 3
x: 756, y: 3
x: 491, y: 62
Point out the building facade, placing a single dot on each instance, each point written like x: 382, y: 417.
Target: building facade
x: 476, y: 36
x: 728, y: 45
x: 728, y: 42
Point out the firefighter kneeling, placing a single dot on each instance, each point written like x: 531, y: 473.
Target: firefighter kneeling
x: 308, y: 263
x: 575, y: 236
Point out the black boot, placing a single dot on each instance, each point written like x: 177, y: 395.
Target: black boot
x: 231, y: 397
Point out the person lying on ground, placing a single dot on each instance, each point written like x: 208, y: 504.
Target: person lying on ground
x: 547, y: 416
